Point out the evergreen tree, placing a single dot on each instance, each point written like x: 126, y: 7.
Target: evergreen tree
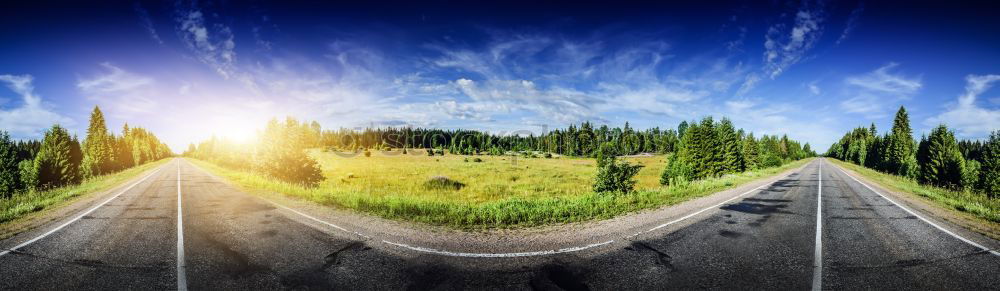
x: 751, y: 156
x: 98, y: 147
x: 944, y: 165
x: 989, y: 181
x: 900, y: 147
x: 730, y: 156
x: 53, y: 165
x: 10, y: 174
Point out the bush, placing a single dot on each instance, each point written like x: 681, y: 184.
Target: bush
x: 430, y: 152
x: 548, y: 155
x: 443, y: 183
x: 615, y: 177
x: 477, y: 160
x: 677, y: 172
x: 465, y: 160
x: 439, y: 152
x: 970, y: 174
x: 404, y: 151
x: 770, y: 160
x: 368, y: 153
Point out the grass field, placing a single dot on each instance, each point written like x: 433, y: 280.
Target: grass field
x: 498, y: 192
x: 27, y: 203
x: 976, y: 204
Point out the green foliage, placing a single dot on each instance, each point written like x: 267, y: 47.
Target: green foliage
x: 430, y: 152
x: 443, y: 183
x: 281, y: 154
x: 677, y: 172
x: 615, y: 177
x: 970, y: 174
x: 989, y: 181
x: 53, y: 166
x: 944, y: 164
x: 98, y: 147
x: 548, y: 155
x: 10, y: 175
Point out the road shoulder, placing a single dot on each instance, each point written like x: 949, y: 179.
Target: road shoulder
x: 964, y: 224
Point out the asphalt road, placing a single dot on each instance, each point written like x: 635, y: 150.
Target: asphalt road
x: 234, y: 241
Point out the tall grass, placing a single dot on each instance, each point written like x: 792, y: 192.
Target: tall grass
x: 503, y: 212
x: 26, y: 203
x: 973, y: 203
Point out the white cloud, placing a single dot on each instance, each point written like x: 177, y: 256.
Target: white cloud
x: 31, y: 117
x: 784, y: 46
x: 120, y: 92
x: 212, y: 44
x: 966, y: 117
x: 872, y: 93
x: 852, y: 22
x: 147, y: 22
x: 814, y: 89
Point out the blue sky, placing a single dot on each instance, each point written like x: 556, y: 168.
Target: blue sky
x: 811, y: 69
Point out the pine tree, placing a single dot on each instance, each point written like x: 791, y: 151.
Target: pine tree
x: 53, y: 165
x: 989, y: 181
x: 730, y: 156
x: 943, y: 165
x: 10, y: 174
x: 751, y: 156
x: 899, y: 146
x: 98, y: 147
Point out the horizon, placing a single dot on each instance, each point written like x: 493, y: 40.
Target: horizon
x: 188, y: 71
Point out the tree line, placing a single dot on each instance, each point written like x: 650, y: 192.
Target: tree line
x: 59, y: 159
x: 938, y: 159
x: 714, y: 148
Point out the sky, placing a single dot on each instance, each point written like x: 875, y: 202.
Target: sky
x: 188, y: 70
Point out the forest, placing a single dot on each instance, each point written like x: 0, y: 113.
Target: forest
x: 937, y: 159
x: 59, y: 159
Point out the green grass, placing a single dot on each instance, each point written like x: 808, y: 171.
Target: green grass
x: 24, y: 204
x: 497, y: 193
x: 976, y: 204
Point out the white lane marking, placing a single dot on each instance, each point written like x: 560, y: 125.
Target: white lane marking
x: 318, y: 220
x: 181, y: 265
x: 818, y: 255
x: 497, y: 255
x: 78, y: 217
x: 972, y: 243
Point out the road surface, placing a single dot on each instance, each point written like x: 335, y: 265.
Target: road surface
x: 766, y: 238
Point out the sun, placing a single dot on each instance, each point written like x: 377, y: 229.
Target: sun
x: 234, y: 128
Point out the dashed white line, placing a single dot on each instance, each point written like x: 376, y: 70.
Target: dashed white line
x: 78, y: 217
x: 817, y: 283
x: 181, y: 266
x: 911, y: 212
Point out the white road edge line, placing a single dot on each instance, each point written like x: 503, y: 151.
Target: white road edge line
x: 181, y: 265
x: 972, y: 243
x: 710, y: 207
x: 818, y: 255
x: 78, y: 217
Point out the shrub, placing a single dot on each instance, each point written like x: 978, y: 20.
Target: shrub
x: 615, y: 177
x: 368, y: 153
x: 477, y: 160
x: 548, y: 155
x: 404, y: 151
x: 465, y: 160
x: 443, y: 183
x: 970, y: 174
x: 439, y: 152
x: 770, y: 160
x: 677, y: 172
x: 430, y: 152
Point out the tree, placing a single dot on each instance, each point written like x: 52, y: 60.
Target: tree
x: 943, y: 164
x: 730, y: 156
x: 989, y: 181
x: 98, y: 147
x: 281, y: 154
x: 900, y: 147
x: 614, y: 176
x: 751, y: 156
x: 10, y: 174
x: 53, y: 166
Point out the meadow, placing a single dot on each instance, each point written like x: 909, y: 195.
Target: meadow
x: 482, y: 191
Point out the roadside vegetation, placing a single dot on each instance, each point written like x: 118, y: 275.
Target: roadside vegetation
x: 471, y: 179
x: 963, y: 175
x: 35, y: 174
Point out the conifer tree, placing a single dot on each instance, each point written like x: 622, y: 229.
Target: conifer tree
x: 751, y: 156
x: 943, y: 164
x: 10, y: 174
x: 98, y: 147
x: 53, y: 165
x: 989, y: 181
x: 730, y: 156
